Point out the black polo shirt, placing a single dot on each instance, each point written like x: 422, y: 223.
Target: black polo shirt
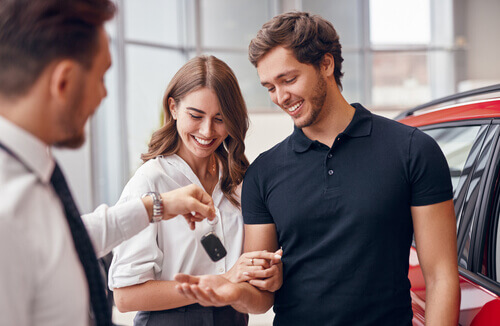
x: 343, y: 218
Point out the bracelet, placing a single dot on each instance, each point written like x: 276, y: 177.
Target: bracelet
x: 157, y: 206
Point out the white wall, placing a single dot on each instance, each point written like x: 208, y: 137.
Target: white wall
x: 266, y: 130
x: 482, y: 41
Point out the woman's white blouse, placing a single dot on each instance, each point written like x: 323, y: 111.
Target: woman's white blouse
x: 169, y: 247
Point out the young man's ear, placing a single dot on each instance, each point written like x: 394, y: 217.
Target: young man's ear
x: 64, y: 80
x: 327, y: 65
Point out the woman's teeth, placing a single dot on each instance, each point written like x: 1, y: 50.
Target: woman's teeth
x: 203, y: 141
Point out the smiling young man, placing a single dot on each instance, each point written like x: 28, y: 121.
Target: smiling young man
x: 53, y: 57
x: 342, y: 195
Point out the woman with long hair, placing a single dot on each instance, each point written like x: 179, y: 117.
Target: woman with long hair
x: 201, y: 142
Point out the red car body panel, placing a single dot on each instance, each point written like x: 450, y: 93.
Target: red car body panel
x: 479, y: 306
x: 467, y: 111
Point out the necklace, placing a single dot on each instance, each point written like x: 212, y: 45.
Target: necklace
x: 212, y: 169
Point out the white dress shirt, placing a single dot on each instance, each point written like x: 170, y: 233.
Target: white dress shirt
x: 42, y: 282
x: 169, y: 247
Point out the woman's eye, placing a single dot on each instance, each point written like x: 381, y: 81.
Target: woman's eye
x: 197, y: 117
x: 218, y: 120
x: 270, y: 89
x: 288, y: 81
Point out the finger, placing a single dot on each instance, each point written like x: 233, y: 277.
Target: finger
x: 263, y: 274
x: 215, y: 298
x: 204, y: 197
x: 180, y: 289
x: 188, y: 219
x: 185, y: 278
x: 271, y: 256
x: 203, y: 210
x: 261, y: 284
x: 184, y: 289
x: 197, y: 218
x: 260, y: 262
x: 201, y: 295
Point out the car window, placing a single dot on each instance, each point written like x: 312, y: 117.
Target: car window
x: 490, y: 265
x: 456, y: 143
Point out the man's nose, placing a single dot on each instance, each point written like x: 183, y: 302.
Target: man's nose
x: 282, y: 96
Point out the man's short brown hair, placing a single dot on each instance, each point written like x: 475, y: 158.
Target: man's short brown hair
x: 310, y: 37
x: 34, y: 33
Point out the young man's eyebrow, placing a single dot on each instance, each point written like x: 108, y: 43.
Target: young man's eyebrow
x: 281, y: 75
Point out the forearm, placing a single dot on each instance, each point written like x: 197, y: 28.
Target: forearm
x: 150, y: 296
x: 442, y: 304
x: 110, y: 226
x: 253, y: 300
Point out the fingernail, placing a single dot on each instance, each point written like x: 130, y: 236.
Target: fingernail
x: 193, y: 213
x: 277, y: 256
x: 246, y: 273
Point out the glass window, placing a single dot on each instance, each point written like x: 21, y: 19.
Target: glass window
x: 232, y: 24
x: 406, y: 22
x: 255, y: 95
x: 345, y: 15
x: 496, y: 253
x: 456, y: 143
x: 353, y: 79
x: 158, y: 21
x: 149, y: 71
x: 400, y: 79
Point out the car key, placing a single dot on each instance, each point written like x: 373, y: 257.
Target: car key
x: 211, y: 242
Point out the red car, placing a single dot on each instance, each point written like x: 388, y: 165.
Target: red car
x: 469, y: 135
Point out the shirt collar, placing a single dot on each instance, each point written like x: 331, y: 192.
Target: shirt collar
x: 186, y: 170
x: 33, y: 153
x: 360, y: 126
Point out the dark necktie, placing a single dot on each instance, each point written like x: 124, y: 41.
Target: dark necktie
x: 85, y: 250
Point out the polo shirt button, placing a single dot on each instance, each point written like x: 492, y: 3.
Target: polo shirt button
x: 330, y: 172
x: 330, y: 155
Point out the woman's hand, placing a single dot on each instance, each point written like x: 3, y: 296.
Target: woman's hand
x: 262, y: 269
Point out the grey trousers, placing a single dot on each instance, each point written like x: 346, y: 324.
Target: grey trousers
x: 192, y: 315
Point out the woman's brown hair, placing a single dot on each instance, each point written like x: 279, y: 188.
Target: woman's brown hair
x: 210, y: 72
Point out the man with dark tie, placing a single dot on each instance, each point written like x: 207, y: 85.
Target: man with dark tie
x: 53, y: 57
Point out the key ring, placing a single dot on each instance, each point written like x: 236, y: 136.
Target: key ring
x: 216, y: 219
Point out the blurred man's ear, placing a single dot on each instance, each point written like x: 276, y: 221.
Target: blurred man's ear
x: 65, y: 77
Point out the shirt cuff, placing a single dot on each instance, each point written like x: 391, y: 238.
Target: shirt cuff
x: 131, y: 217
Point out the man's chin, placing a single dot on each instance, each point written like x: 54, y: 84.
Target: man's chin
x: 71, y: 143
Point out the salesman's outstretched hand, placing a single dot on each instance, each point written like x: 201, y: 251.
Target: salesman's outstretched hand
x: 208, y: 290
x: 185, y: 201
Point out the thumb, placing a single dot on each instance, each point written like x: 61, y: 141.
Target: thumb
x: 185, y: 278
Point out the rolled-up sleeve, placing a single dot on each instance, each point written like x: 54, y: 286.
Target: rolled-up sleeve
x: 138, y: 259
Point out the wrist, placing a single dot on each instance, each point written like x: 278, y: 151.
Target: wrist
x: 154, y: 206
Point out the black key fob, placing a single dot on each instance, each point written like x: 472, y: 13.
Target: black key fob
x: 214, y: 248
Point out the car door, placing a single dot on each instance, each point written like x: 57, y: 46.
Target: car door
x: 470, y: 148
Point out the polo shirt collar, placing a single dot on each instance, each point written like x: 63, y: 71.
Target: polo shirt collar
x: 360, y: 126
